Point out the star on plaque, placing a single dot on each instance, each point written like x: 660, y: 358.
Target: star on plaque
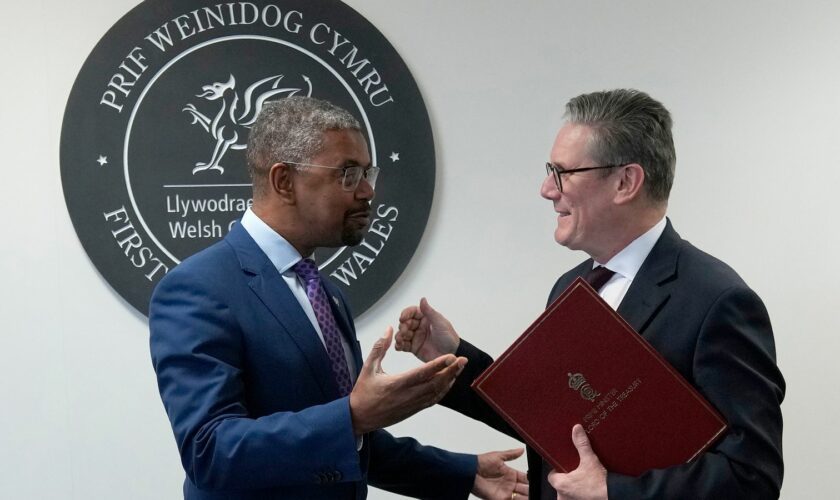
x: 102, y: 160
x: 395, y: 156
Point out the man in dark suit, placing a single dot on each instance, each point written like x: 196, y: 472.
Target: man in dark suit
x: 611, y: 171
x: 256, y: 355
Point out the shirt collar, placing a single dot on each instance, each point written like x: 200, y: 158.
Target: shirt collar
x: 628, y: 261
x: 280, y: 252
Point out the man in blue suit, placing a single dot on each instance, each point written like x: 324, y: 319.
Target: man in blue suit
x: 609, y: 178
x: 256, y: 356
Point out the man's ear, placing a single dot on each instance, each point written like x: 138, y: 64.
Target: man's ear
x: 630, y: 183
x: 280, y: 182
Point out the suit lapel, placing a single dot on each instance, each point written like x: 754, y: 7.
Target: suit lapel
x: 268, y: 285
x: 647, y: 294
x: 564, y: 281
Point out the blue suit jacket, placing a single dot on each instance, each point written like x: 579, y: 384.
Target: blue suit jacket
x: 247, y: 386
x: 713, y: 329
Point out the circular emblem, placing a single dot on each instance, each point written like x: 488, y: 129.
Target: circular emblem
x: 153, y: 139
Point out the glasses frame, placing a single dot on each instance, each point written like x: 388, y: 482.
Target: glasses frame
x: 557, y: 172
x: 370, y: 173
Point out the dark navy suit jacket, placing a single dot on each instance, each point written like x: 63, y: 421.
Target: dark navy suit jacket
x: 701, y: 316
x: 254, y: 407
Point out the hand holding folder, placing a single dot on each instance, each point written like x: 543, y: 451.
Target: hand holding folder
x: 581, y: 363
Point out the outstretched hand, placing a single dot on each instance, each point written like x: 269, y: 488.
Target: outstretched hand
x: 589, y: 480
x: 379, y: 400
x: 426, y: 333
x: 496, y: 480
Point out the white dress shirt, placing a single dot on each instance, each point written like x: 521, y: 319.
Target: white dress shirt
x: 626, y: 264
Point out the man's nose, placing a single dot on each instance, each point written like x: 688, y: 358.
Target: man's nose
x: 364, y: 191
x: 548, y: 189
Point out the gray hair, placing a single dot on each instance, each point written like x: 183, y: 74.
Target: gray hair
x: 292, y: 130
x: 629, y: 126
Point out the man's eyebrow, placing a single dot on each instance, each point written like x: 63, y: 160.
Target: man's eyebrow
x: 354, y: 163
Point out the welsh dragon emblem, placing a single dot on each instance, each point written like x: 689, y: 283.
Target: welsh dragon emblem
x: 236, y: 113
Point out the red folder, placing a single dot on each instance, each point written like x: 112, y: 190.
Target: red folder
x: 581, y: 363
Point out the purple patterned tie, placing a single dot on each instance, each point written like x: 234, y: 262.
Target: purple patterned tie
x: 308, y: 271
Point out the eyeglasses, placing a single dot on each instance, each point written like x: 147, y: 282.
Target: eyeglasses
x: 351, y: 175
x: 558, y: 172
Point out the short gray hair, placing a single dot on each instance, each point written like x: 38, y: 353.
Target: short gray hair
x: 629, y: 126
x: 292, y: 130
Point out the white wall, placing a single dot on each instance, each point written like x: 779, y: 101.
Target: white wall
x: 753, y: 87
